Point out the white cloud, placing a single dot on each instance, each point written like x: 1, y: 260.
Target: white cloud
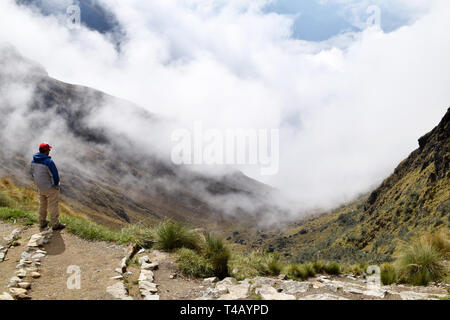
x: 347, y: 113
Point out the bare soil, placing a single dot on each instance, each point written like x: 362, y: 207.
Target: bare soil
x: 97, y: 262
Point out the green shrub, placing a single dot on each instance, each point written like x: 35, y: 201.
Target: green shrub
x: 318, y: 266
x: 357, y: 269
x: 138, y: 234
x: 332, y: 268
x: 388, y: 274
x: 274, y: 265
x: 217, y: 254
x: 192, y: 263
x: 5, y: 201
x: 20, y: 216
x: 310, y: 270
x: 297, y: 272
x: 420, y: 264
x: 171, y: 235
x: 255, y: 263
x: 246, y: 265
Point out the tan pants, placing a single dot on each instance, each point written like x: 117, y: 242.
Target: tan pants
x: 49, y: 198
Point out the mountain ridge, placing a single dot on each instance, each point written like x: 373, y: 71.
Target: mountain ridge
x: 104, y: 172
x: 413, y: 200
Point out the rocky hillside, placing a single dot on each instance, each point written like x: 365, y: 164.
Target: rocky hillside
x: 106, y: 173
x: 413, y: 200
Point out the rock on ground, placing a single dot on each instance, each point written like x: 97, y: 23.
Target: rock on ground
x: 118, y: 291
x: 6, y: 296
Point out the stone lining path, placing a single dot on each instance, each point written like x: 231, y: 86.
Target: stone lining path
x: 318, y: 288
x: 46, y: 263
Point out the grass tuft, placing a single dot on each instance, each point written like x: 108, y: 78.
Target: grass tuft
x: 441, y: 242
x: 255, y: 263
x: 356, y: 269
x: 388, y: 274
x: 191, y: 263
x: 218, y: 255
x: 139, y: 234
x: 6, y: 201
x: 296, y: 272
x: 171, y: 235
x: 274, y: 266
x: 332, y: 268
x: 421, y: 263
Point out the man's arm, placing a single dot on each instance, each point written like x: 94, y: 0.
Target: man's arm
x: 54, y: 172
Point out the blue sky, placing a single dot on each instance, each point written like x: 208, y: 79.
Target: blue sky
x: 321, y: 20
x: 315, y: 20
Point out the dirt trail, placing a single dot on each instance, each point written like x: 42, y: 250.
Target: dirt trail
x: 97, y: 262
x: 171, y: 284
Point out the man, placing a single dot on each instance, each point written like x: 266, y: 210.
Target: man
x: 46, y: 177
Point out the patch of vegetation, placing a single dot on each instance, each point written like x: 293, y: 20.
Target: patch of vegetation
x: 90, y: 230
x: 388, y: 274
x: 255, y: 296
x: 171, y: 235
x: 191, y: 263
x: 304, y: 271
x: 255, y: 263
x: 422, y: 261
x: 274, y: 265
x: 139, y: 234
x: 5, y: 201
x: 356, y: 269
x: 332, y: 268
x: 341, y: 254
x: 296, y: 272
x: 217, y: 254
x: 17, y: 216
x: 346, y: 219
x: 441, y: 242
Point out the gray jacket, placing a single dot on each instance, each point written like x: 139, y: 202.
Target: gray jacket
x: 44, y: 172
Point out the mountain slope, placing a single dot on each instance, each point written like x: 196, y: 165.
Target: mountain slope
x: 111, y: 174
x: 413, y: 200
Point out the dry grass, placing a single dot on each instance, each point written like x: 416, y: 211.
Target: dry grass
x: 388, y: 274
x: 171, y: 235
x: 423, y: 261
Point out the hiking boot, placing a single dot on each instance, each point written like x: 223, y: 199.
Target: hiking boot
x: 43, y: 225
x: 59, y: 227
